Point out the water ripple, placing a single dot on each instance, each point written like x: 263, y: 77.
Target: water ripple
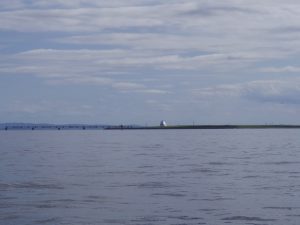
x: 30, y: 185
x: 157, y: 177
x: 247, y: 218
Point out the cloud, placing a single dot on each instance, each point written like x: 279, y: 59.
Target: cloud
x: 11, y: 5
x: 87, y: 80
x: 165, y: 35
x: 137, y: 88
x: 77, y: 19
x: 272, y: 91
x: 156, y: 48
x: 286, y: 69
x: 214, y: 10
x: 51, y: 63
x: 90, y: 3
x: 125, y: 86
x: 276, y: 91
x: 154, y: 91
x: 59, y: 108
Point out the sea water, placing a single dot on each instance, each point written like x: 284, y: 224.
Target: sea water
x: 150, y: 177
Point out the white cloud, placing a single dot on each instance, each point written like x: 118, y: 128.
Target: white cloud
x: 155, y: 91
x: 137, y: 88
x: 102, y: 81
x: 125, y: 86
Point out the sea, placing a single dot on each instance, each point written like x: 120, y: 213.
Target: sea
x: 150, y: 177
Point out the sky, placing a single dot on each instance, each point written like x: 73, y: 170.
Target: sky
x: 141, y: 61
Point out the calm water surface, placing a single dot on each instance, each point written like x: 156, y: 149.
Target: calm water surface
x: 160, y: 177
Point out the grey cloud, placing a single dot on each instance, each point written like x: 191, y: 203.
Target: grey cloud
x: 286, y: 29
x: 234, y: 29
x: 121, y: 86
x: 230, y: 41
x: 11, y: 4
x: 216, y: 10
x: 48, y: 106
x: 118, y: 46
x: 91, y: 3
x: 50, y: 63
x: 272, y: 91
x: 286, y: 69
x: 77, y: 20
x: 283, y: 92
x: 66, y: 67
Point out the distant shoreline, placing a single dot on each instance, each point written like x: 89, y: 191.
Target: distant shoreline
x: 136, y: 127
x: 205, y: 127
x: 51, y: 127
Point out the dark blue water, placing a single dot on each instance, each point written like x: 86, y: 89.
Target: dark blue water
x: 168, y: 177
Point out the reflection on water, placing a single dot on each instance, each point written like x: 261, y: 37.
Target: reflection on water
x: 170, y: 177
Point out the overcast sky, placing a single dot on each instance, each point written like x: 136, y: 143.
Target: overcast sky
x: 140, y: 61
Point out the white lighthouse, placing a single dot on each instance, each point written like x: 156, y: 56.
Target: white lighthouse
x: 163, y: 123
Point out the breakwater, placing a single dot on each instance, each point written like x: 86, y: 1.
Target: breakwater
x: 136, y: 127
x: 203, y: 127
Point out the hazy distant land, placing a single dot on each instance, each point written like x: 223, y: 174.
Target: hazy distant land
x: 44, y: 126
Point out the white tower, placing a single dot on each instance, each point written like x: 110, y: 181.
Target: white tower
x: 163, y: 123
